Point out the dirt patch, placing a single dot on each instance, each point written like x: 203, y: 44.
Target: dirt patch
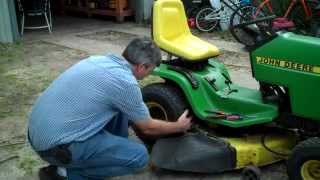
x: 235, y: 59
x: 215, y: 35
x: 31, y: 70
x: 26, y: 70
x: 116, y: 37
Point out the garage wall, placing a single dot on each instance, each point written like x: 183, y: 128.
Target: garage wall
x: 143, y: 10
x: 8, y: 22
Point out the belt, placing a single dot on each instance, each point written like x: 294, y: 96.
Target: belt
x: 59, y: 152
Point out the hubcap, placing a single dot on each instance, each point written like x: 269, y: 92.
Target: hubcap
x: 157, y: 111
x: 311, y: 170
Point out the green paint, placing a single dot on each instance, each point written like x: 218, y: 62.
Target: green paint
x: 246, y: 102
x: 292, y: 61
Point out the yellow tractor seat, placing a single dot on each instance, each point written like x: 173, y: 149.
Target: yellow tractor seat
x: 172, y: 34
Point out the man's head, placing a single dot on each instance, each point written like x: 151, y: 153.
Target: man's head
x: 143, y: 55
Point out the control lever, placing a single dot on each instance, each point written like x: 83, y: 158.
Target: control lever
x: 228, y: 82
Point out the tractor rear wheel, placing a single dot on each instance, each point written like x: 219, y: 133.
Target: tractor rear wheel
x: 304, y: 163
x: 165, y: 102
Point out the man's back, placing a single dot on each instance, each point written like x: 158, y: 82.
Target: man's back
x: 80, y: 102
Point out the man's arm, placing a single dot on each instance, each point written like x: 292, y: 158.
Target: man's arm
x: 156, y: 127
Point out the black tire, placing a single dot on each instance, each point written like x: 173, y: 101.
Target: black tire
x: 207, y: 25
x: 251, y: 173
x: 248, y: 34
x: 304, y: 163
x: 165, y: 102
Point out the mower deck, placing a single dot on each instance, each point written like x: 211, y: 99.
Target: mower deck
x: 200, y: 152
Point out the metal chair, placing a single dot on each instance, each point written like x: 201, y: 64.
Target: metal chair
x: 35, y: 8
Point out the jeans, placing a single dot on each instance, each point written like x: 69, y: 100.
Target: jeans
x: 103, y: 155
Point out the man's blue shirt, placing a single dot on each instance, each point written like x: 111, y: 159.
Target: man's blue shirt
x: 83, y: 100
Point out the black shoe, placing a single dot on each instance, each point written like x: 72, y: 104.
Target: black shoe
x: 50, y: 173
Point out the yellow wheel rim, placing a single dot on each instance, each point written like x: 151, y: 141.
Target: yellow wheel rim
x: 157, y: 111
x: 311, y: 170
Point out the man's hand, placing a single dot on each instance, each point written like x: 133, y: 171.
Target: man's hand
x: 184, y: 121
x: 154, y: 127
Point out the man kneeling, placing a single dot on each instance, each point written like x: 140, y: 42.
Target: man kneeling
x: 80, y: 122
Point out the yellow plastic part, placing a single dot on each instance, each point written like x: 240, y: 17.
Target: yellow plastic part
x: 172, y: 34
x: 250, y: 150
x: 311, y: 170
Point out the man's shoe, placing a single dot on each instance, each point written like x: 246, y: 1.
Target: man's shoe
x: 50, y: 173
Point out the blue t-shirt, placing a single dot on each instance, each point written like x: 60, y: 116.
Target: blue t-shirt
x: 83, y: 100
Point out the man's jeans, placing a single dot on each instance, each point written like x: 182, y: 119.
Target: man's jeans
x: 103, y: 155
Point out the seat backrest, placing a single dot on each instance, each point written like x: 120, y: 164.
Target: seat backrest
x: 169, y: 20
x: 35, y: 5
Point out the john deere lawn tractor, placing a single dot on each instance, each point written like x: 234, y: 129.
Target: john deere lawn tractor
x: 236, y: 127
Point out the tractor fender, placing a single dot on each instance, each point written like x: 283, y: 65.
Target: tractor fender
x: 187, y: 85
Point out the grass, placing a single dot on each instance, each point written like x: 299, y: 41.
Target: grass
x: 9, y: 55
x: 26, y: 69
x: 16, y: 93
x: 19, y: 84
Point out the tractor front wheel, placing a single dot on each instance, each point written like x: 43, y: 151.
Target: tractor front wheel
x: 251, y: 173
x: 304, y: 163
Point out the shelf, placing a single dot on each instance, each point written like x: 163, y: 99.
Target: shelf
x: 119, y: 12
x: 74, y: 8
x: 110, y: 12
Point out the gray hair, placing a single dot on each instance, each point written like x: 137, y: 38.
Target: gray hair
x: 142, y: 51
